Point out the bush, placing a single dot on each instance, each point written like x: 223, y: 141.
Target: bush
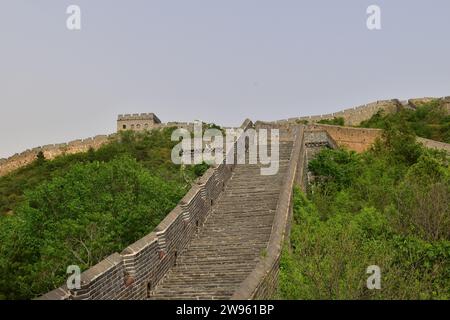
x: 79, y: 218
x: 151, y: 149
x: 430, y: 120
x: 388, y: 206
x: 80, y: 208
x: 337, y: 121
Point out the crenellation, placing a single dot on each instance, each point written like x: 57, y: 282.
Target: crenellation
x: 52, y: 151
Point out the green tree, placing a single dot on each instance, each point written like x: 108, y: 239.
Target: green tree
x: 79, y: 208
x: 388, y: 206
x: 79, y: 218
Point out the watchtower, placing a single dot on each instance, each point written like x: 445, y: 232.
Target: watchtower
x: 137, y: 121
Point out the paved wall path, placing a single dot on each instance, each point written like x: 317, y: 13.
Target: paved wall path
x: 232, y: 239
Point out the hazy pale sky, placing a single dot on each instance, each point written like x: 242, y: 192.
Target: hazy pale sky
x: 214, y: 60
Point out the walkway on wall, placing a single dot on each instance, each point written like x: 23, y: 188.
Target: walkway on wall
x: 232, y: 239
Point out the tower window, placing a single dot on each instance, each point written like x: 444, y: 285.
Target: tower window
x: 124, y: 126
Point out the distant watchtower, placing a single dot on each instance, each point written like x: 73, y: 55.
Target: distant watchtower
x: 137, y: 122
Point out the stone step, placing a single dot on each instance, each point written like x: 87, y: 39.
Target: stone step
x: 233, y: 237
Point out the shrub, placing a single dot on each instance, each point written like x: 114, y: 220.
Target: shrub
x: 388, y: 206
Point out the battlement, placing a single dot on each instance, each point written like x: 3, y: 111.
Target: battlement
x: 355, y: 115
x: 52, y: 151
x: 139, y: 116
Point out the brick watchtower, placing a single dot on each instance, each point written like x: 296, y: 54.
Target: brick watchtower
x: 137, y: 122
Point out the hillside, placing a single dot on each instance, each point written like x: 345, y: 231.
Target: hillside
x: 429, y: 120
x: 388, y: 206
x: 79, y: 208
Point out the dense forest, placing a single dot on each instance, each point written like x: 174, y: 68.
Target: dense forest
x: 389, y: 206
x: 430, y: 120
x: 77, y: 209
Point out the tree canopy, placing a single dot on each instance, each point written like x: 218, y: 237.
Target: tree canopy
x: 78, y: 209
x: 430, y: 120
x: 389, y: 206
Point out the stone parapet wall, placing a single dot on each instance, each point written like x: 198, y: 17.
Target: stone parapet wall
x: 351, y: 116
x: 432, y: 144
x: 138, y: 116
x: 354, y: 116
x: 361, y: 139
x: 51, y: 151
x: 357, y: 139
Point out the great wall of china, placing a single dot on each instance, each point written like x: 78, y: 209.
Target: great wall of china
x: 352, y: 116
x: 224, y: 239
x: 52, y: 151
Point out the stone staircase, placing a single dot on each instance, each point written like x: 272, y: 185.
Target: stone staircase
x: 232, y: 239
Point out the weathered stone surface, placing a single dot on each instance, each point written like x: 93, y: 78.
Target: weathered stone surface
x: 232, y: 239
x: 137, y: 122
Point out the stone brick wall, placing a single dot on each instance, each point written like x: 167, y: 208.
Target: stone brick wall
x: 52, y: 151
x: 354, y: 116
x: 360, y: 139
x: 137, y: 121
x: 357, y: 139
x: 134, y: 272
x: 434, y: 144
